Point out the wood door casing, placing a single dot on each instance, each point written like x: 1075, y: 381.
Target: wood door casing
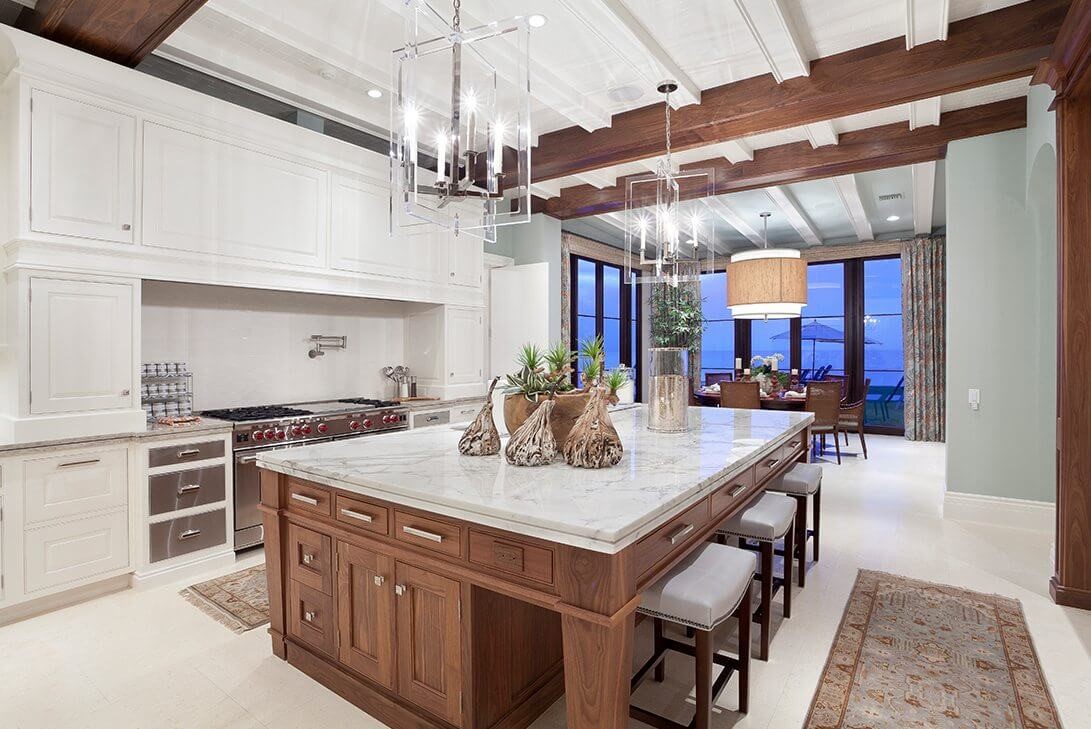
x: 365, y: 612
x: 430, y: 642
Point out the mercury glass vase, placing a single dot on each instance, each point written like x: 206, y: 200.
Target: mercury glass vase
x: 668, y: 389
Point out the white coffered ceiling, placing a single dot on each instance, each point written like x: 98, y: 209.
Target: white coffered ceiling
x: 596, y: 58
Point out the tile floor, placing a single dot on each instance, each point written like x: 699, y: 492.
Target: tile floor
x: 148, y: 659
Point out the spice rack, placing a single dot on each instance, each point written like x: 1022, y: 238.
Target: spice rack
x: 166, y: 390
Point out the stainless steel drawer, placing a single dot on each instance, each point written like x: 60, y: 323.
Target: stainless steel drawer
x: 421, y: 420
x: 186, y: 534
x: 169, y: 455
x: 183, y: 489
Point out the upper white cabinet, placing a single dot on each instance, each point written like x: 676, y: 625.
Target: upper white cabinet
x: 82, y: 180
x: 361, y: 238
x: 465, y: 260
x: 203, y: 195
x: 81, y: 345
x: 465, y: 334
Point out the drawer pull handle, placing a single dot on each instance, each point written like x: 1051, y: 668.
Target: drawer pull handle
x: 432, y: 418
x: 681, y: 534
x: 188, y: 488
x: 305, y: 499
x: 399, y: 589
x: 189, y: 452
x: 430, y: 536
x: 366, y: 518
x: 248, y: 459
x: 189, y: 534
x: 310, y: 615
x: 379, y: 580
x: 737, y: 490
x: 70, y: 464
x: 308, y: 558
x: 771, y: 462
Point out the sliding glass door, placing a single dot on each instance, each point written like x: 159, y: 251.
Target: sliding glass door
x: 884, y: 356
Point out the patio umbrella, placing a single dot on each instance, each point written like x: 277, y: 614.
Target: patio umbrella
x: 815, y: 332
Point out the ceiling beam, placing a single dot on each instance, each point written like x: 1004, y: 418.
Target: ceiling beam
x: 772, y: 30
x: 123, y: 31
x: 925, y: 21
x: 924, y: 190
x: 595, y: 178
x: 724, y: 210
x: 783, y: 198
x: 924, y: 113
x: 821, y: 134
x: 891, y: 145
x: 849, y: 193
x: 981, y: 50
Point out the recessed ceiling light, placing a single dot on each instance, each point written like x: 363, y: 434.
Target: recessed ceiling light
x: 537, y: 20
x: 327, y: 73
x: 374, y: 93
x: 892, y: 218
x: 625, y: 93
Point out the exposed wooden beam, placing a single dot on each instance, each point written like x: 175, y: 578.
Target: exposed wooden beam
x: 924, y: 190
x: 821, y: 134
x: 726, y: 212
x: 849, y: 192
x: 595, y: 178
x: 981, y: 50
x: 784, y: 200
x: 123, y: 31
x: 547, y: 190
x: 777, y: 39
x: 924, y: 113
x: 875, y: 148
x: 736, y: 151
x: 925, y: 21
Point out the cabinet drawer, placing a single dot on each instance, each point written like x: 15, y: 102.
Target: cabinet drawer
x: 309, y: 499
x: 670, y: 536
x: 76, y: 550
x: 75, y: 484
x: 421, y: 420
x: 311, y: 618
x: 187, y: 453
x: 361, y: 514
x: 512, y: 555
x: 310, y: 558
x: 733, y: 491
x: 428, y: 532
x: 793, y: 448
x: 186, y: 534
x: 465, y: 413
x: 766, y: 465
x: 184, y: 489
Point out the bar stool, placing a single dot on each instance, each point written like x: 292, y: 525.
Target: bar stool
x: 770, y: 518
x: 705, y: 589
x: 799, y: 482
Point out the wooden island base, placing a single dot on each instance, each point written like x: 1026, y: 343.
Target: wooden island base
x: 423, y: 620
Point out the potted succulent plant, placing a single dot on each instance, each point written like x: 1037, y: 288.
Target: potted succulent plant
x: 544, y: 375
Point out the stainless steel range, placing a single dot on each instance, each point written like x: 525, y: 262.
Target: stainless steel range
x: 270, y: 427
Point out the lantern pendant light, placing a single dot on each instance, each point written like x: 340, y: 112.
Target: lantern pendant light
x: 769, y: 283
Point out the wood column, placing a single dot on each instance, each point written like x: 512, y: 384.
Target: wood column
x: 1066, y: 71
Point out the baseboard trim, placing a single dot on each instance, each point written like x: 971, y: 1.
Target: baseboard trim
x: 48, y: 603
x: 1000, y: 511
x: 162, y: 576
x: 1069, y: 596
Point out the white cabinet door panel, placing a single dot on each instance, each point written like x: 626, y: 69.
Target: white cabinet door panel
x: 206, y: 196
x: 465, y: 261
x: 75, y: 484
x: 81, y: 339
x: 82, y: 179
x: 465, y: 345
x: 361, y: 236
x: 75, y: 550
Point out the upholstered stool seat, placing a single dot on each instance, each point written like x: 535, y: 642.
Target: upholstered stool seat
x: 706, y: 588
x: 801, y: 481
x: 768, y: 519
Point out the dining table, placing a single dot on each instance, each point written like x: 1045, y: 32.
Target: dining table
x: 711, y: 398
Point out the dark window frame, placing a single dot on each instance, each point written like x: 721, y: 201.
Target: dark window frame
x: 626, y: 316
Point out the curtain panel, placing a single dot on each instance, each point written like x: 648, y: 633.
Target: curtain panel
x: 924, y: 334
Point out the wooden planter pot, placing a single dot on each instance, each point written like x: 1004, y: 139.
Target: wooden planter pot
x: 569, y: 407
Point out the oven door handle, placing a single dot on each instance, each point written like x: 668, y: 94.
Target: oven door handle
x: 248, y: 459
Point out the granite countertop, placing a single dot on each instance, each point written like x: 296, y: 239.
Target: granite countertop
x: 603, y: 510
x: 152, y: 431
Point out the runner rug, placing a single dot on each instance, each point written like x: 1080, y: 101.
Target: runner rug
x: 239, y: 601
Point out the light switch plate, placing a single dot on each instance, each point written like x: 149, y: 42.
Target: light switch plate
x: 975, y: 399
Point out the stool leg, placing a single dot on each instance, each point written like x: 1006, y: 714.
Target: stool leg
x: 658, y: 646
x: 743, y: 616
x: 704, y: 679
x: 766, y: 598
x: 789, y: 560
x: 801, y: 537
x: 816, y: 518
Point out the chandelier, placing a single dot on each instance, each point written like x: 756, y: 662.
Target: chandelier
x: 666, y: 232
x: 769, y: 283
x: 460, y: 124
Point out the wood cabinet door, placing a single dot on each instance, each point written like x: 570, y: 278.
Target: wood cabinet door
x: 430, y: 641
x: 81, y: 345
x: 465, y: 345
x: 365, y: 612
x: 82, y: 161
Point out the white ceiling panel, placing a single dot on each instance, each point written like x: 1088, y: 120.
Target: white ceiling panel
x: 819, y: 200
x: 872, y: 185
x: 985, y: 94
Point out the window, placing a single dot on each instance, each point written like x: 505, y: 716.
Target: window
x: 884, y: 360
x: 772, y: 337
x: 718, y: 341
x: 603, y: 303
x: 822, y: 329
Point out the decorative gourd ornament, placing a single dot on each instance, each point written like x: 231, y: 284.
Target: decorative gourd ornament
x: 593, y: 442
x: 533, y: 444
x: 481, y: 438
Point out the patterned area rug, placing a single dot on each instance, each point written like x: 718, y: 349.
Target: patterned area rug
x: 239, y: 600
x: 916, y: 654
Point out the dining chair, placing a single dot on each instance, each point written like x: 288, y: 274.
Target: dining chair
x: 711, y: 378
x: 741, y: 395
x: 852, y: 418
x: 892, y: 396
x: 844, y: 382
x: 824, y: 400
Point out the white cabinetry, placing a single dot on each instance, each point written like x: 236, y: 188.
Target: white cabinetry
x: 81, y: 345
x: 59, y: 487
x: 203, y: 195
x: 465, y: 260
x: 465, y: 334
x: 444, y: 346
x: 82, y: 159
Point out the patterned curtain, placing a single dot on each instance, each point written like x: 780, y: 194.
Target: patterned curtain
x: 924, y: 334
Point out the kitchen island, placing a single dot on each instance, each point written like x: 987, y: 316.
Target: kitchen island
x: 440, y: 590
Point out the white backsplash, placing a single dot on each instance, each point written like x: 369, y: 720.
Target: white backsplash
x: 249, y: 346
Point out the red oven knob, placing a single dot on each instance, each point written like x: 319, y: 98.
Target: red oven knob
x: 306, y: 429
x: 270, y: 434
x: 354, y: 425
x: 367, y: 423
x: 322, y: 427
x: 280, y: 435
x: 296, y: 431
x: 258, y: 435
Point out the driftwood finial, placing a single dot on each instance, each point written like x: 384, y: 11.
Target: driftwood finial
x: 481, y: 438
x: 533, y: 443
x: 593, y: 442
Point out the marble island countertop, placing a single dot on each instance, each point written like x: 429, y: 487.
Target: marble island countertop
x: 603, y: 510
